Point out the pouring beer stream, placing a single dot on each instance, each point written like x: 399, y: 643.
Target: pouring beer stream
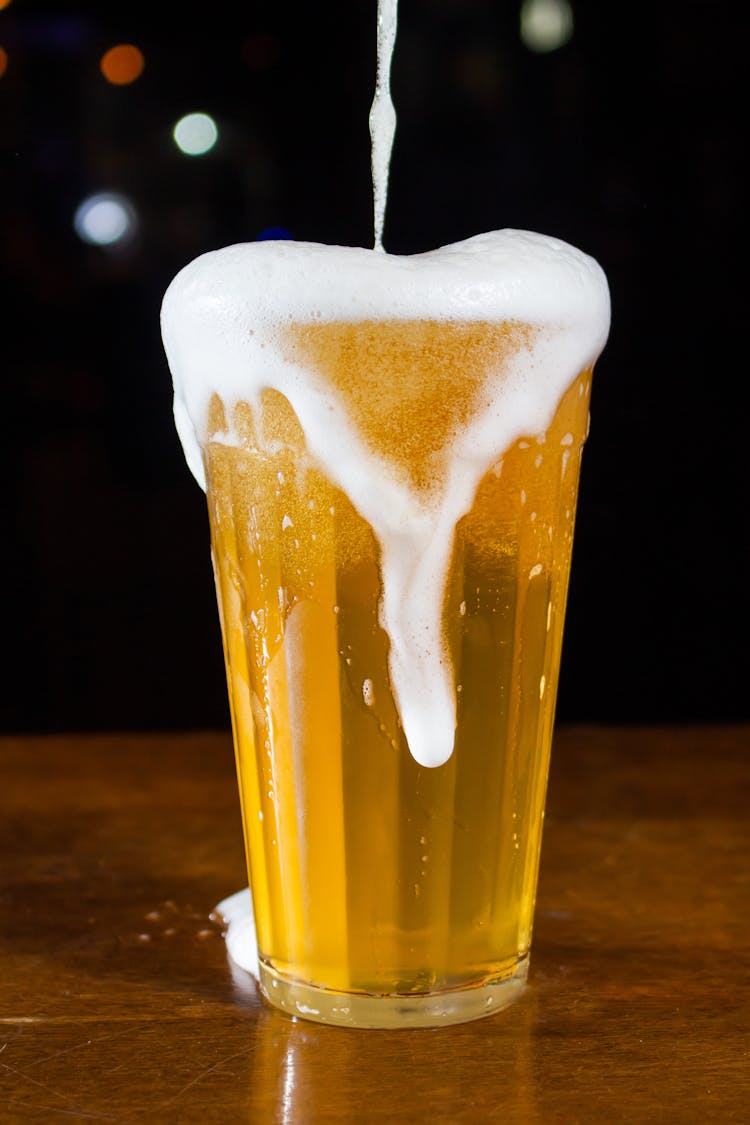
x: 382, y: 115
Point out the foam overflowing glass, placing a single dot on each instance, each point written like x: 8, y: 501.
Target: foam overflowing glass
x: 390, y: 448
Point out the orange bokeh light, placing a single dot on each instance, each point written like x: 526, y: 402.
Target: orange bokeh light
x: 122, y: 64
x: 3, y: 60
x: 4, y: 4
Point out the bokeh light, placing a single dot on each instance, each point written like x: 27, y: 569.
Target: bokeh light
x: 195, y: 134
x: 122, y: 64
x: 271, y: 234
x: 546, y: 25
x: 105, y: 219
x: 4, y: 4
x: 3, y: 61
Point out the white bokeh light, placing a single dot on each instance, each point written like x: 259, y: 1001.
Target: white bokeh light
x: 195, y: 134
x: 546, y: 24
x: 105, y: 219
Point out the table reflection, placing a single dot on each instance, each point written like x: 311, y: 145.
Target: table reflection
x: 303, y: 1072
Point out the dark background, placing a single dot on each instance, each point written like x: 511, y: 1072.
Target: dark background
x: 626, y: 142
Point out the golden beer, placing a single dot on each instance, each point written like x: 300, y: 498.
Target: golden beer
x: 387, y: 893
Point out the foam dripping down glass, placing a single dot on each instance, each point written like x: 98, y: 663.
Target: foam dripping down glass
x: 390, y: 448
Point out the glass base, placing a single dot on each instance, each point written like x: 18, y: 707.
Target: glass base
x: 353, y: 1009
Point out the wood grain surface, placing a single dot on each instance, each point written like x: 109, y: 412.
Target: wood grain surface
x: 117, y: 1003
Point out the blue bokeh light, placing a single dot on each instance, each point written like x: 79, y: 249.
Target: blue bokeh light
x: 272, y: 233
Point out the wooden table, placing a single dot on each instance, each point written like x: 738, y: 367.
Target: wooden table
x: 117, y: 1003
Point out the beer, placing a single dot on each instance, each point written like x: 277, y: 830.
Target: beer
x: 391, y: 503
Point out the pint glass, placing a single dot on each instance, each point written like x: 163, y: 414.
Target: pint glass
x: 392, y: 852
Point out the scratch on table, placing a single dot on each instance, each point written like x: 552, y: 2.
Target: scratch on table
x: 127, y: 1064
x: 71, y: 1110
x: 41, y: 1085
x: 204, y: 1074
x: 88, y: 1043
x: 78, y: 1114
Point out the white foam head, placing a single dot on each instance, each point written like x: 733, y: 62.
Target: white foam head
x: 223, y: 319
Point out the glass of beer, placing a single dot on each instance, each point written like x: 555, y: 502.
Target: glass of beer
x: 390, y: 448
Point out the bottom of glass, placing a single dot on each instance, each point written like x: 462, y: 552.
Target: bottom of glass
x: 353, y: 1009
